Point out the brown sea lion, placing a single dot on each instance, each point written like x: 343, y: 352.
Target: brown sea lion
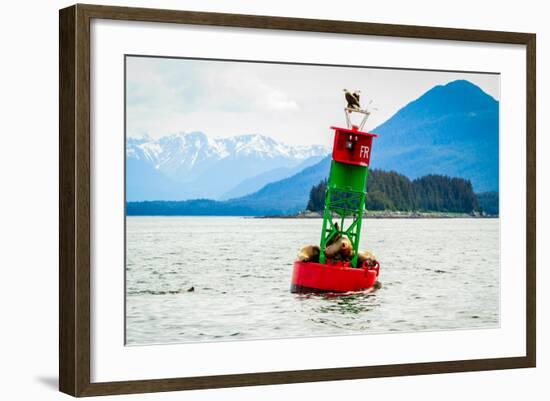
x: 309, y: 253
x: 367, y: 257
x: 339, y: 249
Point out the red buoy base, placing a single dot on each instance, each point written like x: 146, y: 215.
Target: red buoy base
x: 310, y: 277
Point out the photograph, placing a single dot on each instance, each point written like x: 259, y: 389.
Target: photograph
x: 270, y: 200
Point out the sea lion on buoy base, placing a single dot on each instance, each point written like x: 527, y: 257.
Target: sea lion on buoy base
x: 339, y: 249
x: 367, y: 257
x: 309, y: 253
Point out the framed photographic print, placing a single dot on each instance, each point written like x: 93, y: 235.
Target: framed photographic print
x: 250, y: 200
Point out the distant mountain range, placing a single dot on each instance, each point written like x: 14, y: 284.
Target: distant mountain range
x: 192, y: 165
x: 450, y: 130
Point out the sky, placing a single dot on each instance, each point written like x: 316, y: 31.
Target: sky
x: 294, y: 104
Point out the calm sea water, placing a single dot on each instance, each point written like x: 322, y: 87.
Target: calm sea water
x: 437, y: 274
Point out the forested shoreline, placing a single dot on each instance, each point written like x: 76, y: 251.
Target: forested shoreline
x: 389, y: 190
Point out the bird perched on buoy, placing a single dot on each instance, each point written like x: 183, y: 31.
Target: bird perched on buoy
x: 352, y: 99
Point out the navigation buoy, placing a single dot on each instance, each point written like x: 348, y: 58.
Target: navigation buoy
x: 342, y: 217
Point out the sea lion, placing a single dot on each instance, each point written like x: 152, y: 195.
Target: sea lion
x: 339, y: 249
x: 309, y: 253
x: 366, y: 257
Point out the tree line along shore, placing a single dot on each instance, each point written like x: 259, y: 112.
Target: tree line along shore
x: 391, y: 194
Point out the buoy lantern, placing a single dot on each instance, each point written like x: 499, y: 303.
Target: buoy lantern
x: 342, y: 217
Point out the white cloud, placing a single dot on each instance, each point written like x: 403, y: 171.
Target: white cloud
x: 276, y: 100
x: 295, y: 104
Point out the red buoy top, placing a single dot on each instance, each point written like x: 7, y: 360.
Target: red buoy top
x: 352, y: 146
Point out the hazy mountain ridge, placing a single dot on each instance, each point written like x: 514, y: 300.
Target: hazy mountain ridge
x: 199, y: 166
x: 253, y: 184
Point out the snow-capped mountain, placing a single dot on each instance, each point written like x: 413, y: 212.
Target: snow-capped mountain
x: 198, y: 166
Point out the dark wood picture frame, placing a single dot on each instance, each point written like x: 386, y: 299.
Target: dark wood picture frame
x: 74, y: 199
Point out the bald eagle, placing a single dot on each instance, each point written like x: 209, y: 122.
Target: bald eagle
x: 352, y: 99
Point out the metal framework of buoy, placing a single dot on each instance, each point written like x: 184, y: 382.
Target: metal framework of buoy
x: 347, y: 183
x: 349, y: 123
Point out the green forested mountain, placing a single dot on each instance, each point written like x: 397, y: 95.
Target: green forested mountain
x: 394, y: 191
